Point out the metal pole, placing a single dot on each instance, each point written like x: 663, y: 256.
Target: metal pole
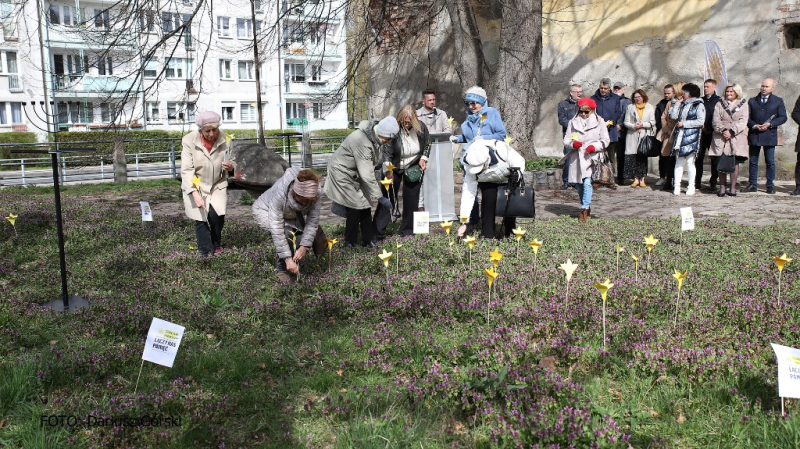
x: 60, y: 229
x: 137, y: 165
x: 172, y: 159
x: 22, y: 163
x: 257, y: 64
x: 102, y: 170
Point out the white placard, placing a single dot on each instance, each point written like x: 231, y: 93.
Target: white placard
x: 163, y: 340
x: 687, y: 219
x: 147, y: 213
x: 788, y: 371
x: 422, y: 223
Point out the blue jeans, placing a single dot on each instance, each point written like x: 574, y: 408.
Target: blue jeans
x: 769, y: 158
x: 565, y: 174
x: 585, y: 192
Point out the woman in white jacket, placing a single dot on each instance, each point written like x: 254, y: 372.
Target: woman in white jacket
x: 640, y: 120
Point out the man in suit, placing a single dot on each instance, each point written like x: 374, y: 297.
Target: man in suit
x: 796, y: 118
x: 710, y: 99
x: 767, y: 112
x: 608, y: 107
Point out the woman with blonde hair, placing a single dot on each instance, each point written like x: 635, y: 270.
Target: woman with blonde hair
x: 408, y: 152
x: 730, y: 134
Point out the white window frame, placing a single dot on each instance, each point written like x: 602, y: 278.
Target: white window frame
x: 295, y: 73
x: 248, y: 67
x: 231, y: 107
x: 179, y: 68
x: 296, y: 110
x: 225, y: 68
x: 244, y: 28
x: 150, y: 66
x: 104, y: 17
x: 223, y: 26
x: 153, y: 106
x: 247, y: 112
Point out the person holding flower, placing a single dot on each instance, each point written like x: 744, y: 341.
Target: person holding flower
x: 205, y: 160
x: 587, y: 135
x: 730, y: 134
x: 609, y: 107
x: 640, y: 120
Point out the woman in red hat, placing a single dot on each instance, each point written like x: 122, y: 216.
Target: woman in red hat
x: 587, y: 137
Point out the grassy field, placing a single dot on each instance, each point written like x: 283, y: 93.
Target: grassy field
x: 348, y: 358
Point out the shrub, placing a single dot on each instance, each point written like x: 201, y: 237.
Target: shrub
x: 18, y: 138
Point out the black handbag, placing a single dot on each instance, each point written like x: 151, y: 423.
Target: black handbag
x: 649, y: 146
x: 727, y: 163
x: 515, y: 199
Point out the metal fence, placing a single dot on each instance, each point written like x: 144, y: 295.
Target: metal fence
x: 309, y: 152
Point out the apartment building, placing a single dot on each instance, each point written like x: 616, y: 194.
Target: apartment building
x: 111, y: 66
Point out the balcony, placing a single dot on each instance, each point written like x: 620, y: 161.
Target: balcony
x: 82, y: 37
x: 14, y: 83
x: 305, y: 88
x: 307, y: 50
x: 66, y: 85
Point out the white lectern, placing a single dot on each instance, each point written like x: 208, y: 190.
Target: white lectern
x: 438, y: 188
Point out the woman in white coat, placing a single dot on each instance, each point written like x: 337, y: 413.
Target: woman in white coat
x: 204, y: 181
x: 587, y: 136
x: 640, y: 120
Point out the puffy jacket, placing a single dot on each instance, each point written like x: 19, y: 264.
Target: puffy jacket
x: 692, y: 113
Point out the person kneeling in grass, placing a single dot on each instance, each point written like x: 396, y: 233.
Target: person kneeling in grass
x: 289, y: 210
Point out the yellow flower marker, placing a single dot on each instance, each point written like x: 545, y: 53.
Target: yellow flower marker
x: 495, y: 257
x: 508, y: 140
x: 780, y: 261
x: 490, y: 276
x: 574, y: 136
x: 518, y: 233
x: 636, y: 262
x: 196, y: 182
x: 463, y: 219
x: 619, y: 250
x: 470, y: 241
x: 446, y: 225
x: 386, y: 183
x: 603, y: 288
x: 390, y: 167
x: 679, y: 276
x: 228, y: 138
x: 384, y: 256
x: 568, y: 268
x: 450, y: 121
x: 331, y: 242
x: 610, y: 123
x: 535, y: 244
x: 13, y: 219
x: 651, y: 243
x: 397, y: 257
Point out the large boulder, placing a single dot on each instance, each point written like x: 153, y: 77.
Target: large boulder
x: 257, y: 167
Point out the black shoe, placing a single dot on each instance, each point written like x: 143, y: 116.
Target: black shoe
x: 565, y: 186
x: 771, y: 190
x: 750, y: 189
x: 668, y: 187
x: 796, y: 191
x: 712, y: 186
x: 731, y: 194
x: 720, y: 194
x: 349, y: 245
x: 370, y: 245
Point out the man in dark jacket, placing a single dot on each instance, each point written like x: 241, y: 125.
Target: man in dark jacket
x: 710, y: 99
x: 566, y: 111
x: 796, y: 118
x: 767, y: 113
x: 666, y: 164
x: 609, y: 108
x: 624, y: 102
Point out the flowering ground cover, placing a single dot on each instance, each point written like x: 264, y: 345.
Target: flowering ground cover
x: 350, y: 358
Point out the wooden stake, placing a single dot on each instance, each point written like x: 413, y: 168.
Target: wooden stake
x: 137, y: 377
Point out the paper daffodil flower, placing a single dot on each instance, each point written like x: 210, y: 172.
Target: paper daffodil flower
x: 518, y: 233
x: 603, y: 287
x: 508, y: 140
x: 470, y: 240
x: 386, y: 182
x: 650, y: 242
x: 464, y: 219
x: 610, y: 122
x: 483, y: 117
x: 619, y: 248
x: 574, y: 136
x: 680, y: 276
x: 13, y: 218
x: 446, y: 225
x: 490, y: 275
x: 390, y: 167
x: 495, y: 256
x: 196, y: 182
x: 228, y: 138
x: 568, y: 268
x: 331, y: 242
x: 384, y: 256
x: 535, y: 244
x: 452, y: 242
x: 635, y: 259
x: 399, y: 245
x: 780, y: 261
x: 450, y: 121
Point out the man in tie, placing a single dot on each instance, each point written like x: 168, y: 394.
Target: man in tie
x: 767, y: 112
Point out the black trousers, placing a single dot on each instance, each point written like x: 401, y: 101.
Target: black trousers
x: 621, y: 157
x: 410, y: 202
x: 667, y: 170
x: 209, y: 235
x: 705, y: 144
x: 797, y: 172
x: 355, y: 219
x: 488, y: 206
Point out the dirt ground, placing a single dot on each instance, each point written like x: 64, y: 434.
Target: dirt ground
x: 756, y: 209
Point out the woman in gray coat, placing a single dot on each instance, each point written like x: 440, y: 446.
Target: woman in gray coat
x: 351, y: 177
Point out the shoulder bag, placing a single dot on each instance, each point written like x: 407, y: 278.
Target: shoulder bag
x: 602, y: 173
x: 649, y: 146
x: 515, y: 199
x: 727, y: 163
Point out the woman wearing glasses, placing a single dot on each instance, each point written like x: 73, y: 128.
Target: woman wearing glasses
x: 587, y: 135
x: 483, y: 122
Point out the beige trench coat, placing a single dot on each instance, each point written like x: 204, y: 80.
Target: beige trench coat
x: 737, y: 124
x: 666, y: 134
x: 351, y: 170
x: 648, y: 126
x: 595, y: 133
x: 196, y: 160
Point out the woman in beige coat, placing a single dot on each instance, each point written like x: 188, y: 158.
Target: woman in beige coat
x: 730, y: 133
x: 640, y: 120
x: 205, y: 166
x: 587, y: 136
x: 666, y: 136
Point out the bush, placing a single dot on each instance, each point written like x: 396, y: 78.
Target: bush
x: 332, y: 132
x: 542, y: 163
x: 18, y: 138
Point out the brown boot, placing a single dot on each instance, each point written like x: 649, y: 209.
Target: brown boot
x: 588, y: 213
x: 582, y: 216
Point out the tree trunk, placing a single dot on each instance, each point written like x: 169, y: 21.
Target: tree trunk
x: 469, y: 54
x: 120, y: 166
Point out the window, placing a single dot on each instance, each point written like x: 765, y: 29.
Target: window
x: 180, y: 111
x: 224, y: 26
x: 292, y: 33
x: 258, y: 5
x: 225, y: 69
x: 152, y: 111
x: 8, y: 15
x: 104, y: 66
x: 227, y: 113
x: 316, y: 33
x: 316, y: 73
x: 245, y: 70
x: 244, y: 28
x: 102, y: 19
x: 147, y: 21
x: 151, y: 69
x: 16, y: 112
x: 295, y: 110
x: 11, y: 61
x: 247, y: 112
x: 62, y: 15
x: 295, y: 73
x: 179, y: 68
x: 187, y: 31
x: 3, y: 117
x: 77, y: 112
x: 317, y: 110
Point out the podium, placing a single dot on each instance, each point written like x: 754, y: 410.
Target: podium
x: 438, y: 188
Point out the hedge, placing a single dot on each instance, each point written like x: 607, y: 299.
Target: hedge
x: 15, y: 137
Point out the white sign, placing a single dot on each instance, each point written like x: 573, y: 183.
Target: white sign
x: 163, y: 340
x: 788, y: 371
x: 422, y: 223
x: 687, y: 219
x: 147, y: 213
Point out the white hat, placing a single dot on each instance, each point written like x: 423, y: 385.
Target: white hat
x: 477, y: 157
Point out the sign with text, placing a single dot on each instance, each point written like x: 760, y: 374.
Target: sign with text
x: 147, y: 213
x: 162, y: 343
x: 422, y: 223
x: 687, y: 219
x: 788, y: 371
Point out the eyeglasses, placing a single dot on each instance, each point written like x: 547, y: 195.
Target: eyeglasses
x: 470, y: 103
x: 584, y: 112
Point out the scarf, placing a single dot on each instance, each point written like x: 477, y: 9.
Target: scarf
x: 206, y: 143
x: 640, y: 110
x: 733, y: 108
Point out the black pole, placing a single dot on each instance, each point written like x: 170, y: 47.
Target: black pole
x: 60, y: 229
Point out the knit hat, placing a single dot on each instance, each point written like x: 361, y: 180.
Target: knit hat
x: 476, y: 94
x: 388, y: 127
x: 587, y: 102
x: 206, y: 118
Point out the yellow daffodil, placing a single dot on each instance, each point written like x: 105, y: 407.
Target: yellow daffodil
x: 13, y: 218
x: 453, y: 242
x: 508, y: 140
x: 680, y: 276
x: 603, y: 287
x: 464, y: 219
x: 192, y: 247
x: 399, y: 245
x: 386, y: 182
x: 619, y: 248
x: 650, y: 242
x: 495, y: 257
x: 450, y: 121
x: 518, y: 233
x: 390, y: 167
x: 610, y: 122
x: 781, y: 261
x: 535, y: 244
x: 228, y: 138
x: 483, y: 117
x: 490, y: 275
x: 568, y: 268
x: 331, y: 242
x: 636, y: 259
x: 196, y: 182
x: 446, y: 225
x: 574, y: 136
x: 384, y: 256
x: 470, y: 240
